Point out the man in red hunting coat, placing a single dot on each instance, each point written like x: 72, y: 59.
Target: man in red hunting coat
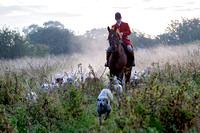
x: 124, y: 30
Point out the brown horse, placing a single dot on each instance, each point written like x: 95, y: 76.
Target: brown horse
x: 118, y: 61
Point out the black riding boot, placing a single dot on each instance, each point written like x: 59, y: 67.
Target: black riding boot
x: 107, y: 58
x: 132, y: 59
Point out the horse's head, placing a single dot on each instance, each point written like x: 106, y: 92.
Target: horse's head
x: 113, y: 38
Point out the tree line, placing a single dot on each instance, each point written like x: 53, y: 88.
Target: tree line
x: 53, y: 38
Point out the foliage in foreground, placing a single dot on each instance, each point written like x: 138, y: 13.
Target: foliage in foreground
x: 166, y: 101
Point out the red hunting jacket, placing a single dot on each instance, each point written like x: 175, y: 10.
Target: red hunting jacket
x: 124, y: 27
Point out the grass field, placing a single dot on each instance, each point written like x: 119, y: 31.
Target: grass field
x: 168, y: 100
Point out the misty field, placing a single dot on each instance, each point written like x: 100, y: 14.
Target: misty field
x: 167, y: 100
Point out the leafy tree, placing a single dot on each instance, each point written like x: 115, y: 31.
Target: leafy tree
x: 189, y: 30
x: 101, y: 33
x: 31, y: 28
x: 13, y: 45
x: 39, y: 50
x: 180, y: 32
x: 53, y: 24
x: 142, y: 40
x: 56, y: 37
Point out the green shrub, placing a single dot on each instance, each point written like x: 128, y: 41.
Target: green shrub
x: 168, y: 100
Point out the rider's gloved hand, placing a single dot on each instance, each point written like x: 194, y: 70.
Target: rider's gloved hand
x: 122, y: 33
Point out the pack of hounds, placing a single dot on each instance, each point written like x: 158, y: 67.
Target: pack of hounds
x: 105, y: 98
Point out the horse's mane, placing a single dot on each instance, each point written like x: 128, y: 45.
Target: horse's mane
x: 118, y: 33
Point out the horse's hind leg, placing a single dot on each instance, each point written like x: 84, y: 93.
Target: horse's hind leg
x: 128, y: 74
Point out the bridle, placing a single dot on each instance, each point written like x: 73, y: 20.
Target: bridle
x: 113, y: 42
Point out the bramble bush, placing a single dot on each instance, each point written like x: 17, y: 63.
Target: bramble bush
x: 167, y: 100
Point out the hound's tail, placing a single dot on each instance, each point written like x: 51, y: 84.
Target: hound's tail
x: 28, y: 86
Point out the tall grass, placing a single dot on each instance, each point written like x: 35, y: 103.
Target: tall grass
x: 168, y: 100
x: 97, y: 58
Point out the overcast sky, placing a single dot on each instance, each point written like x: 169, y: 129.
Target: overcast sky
x: 149, y: 16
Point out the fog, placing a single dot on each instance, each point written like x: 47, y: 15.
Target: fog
x: 95, y: 55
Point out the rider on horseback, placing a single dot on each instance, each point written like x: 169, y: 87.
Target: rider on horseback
x: 124, y: 30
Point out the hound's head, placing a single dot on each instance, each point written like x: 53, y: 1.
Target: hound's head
x: 102, y: 102
x: 70, y: 80
x: 59, y: 80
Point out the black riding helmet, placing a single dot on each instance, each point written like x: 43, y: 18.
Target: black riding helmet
x: 117, y: 16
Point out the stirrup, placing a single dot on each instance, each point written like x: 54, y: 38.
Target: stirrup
x: 133, y: 64
x: 106, y: 64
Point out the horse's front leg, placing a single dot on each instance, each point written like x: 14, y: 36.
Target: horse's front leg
x: 111, y: 76
x: 123, y: 78
x: 121, y: 75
